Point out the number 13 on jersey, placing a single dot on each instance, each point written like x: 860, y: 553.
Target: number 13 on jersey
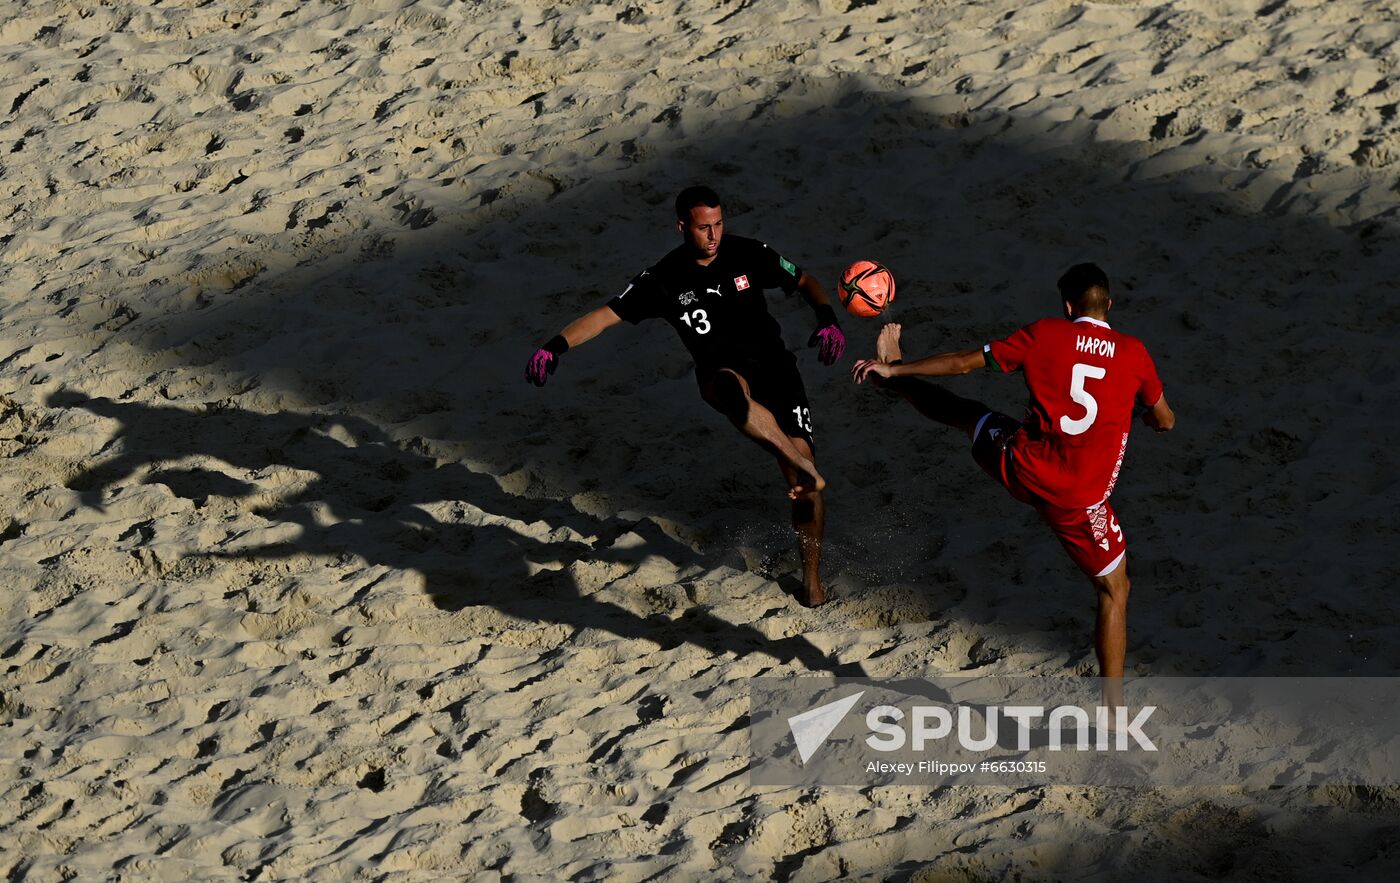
x: 697, y: 320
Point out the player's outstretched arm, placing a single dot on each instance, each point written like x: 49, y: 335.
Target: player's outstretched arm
x: 941, y: 365
x: 583, y: 329
x: 828, y: 338
x: 590, y: 325
x: 1160, y: 416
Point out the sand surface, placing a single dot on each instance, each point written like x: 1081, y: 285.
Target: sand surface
x: 299, y: 580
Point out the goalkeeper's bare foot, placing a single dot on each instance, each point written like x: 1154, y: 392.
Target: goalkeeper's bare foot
x: 808, y: 481
x: 887, y: 344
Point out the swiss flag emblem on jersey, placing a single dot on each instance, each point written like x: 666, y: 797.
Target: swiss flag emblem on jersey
x: 741, y: 282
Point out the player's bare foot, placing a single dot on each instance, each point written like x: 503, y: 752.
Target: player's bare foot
x: 804, y: 477
x: 808, y: 483
x: 812, y: 597
x: 887, y: 344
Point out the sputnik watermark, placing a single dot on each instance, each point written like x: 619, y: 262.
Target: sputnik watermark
x: 929, y: 725
x: 934, y: 723
x: 1148, y: 732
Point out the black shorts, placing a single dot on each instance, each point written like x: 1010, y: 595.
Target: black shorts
x: 776, y: 385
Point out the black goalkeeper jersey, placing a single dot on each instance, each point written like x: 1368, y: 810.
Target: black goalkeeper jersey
x: 719, y: 311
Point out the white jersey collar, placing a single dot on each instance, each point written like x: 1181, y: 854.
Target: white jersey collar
x: 1092, y: 321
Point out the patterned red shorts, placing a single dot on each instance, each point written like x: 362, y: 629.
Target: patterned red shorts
x: 1092, y: 537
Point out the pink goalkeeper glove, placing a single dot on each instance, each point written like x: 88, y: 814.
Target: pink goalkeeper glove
x: 830, y: 343
x: 545, y: 360
x: 828, y: 339
x: 542, y: 364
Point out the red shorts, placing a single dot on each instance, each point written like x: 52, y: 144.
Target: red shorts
x: 1092, y: 537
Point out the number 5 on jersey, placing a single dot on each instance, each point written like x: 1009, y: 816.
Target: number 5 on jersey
x: 702, y: 322
x: 1081, y: 395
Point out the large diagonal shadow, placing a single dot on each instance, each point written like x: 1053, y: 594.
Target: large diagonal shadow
x: 977, y: 212
x: 1273, y: 331
x: 366, y: 499
x: 976, y: 219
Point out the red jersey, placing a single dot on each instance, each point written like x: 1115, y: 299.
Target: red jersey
x: 1083, y: 378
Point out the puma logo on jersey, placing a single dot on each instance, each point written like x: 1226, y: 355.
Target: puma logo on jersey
x: 1096, y: 346
x: 715, y: 291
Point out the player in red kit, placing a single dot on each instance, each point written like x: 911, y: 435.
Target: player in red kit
x: 1064, y: 457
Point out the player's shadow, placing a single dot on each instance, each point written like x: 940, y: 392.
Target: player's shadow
x: 366, y: 498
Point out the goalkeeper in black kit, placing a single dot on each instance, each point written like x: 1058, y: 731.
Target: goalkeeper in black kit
x: 710, y: 290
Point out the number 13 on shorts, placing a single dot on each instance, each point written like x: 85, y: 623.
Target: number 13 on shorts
x: 803, y: 417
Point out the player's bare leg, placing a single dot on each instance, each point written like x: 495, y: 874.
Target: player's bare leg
x: 728, y: 393
x: 808, y: 517
x: 1111, y: 631
x: 929, y: 399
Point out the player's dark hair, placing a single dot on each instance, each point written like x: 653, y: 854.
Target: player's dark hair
x: 1085, y: 286
x: 690, y: 197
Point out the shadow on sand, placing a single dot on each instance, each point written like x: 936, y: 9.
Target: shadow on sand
x: 367, y: 499
x: 977, y: 213
x: 425, y: 333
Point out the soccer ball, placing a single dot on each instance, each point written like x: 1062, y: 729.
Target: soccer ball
x: 867, y: 287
